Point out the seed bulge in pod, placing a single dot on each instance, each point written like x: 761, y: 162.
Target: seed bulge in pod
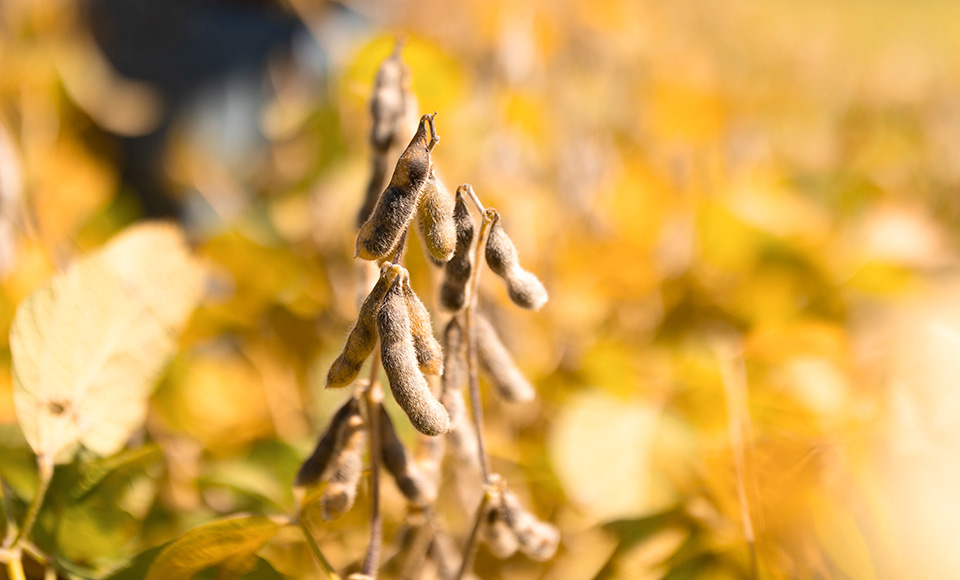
x: 399, y: 462
x: 341, y: 490
x: 429, y: 353
x: 398, y: 203
x: 523, y: 287
x: 314, y: 467
x: 497, y: 364
x: 453, y: 290
x: 437, y: 228
x: 363, y: 337
x: 399, y: 360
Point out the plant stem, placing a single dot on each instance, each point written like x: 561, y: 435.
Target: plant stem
x: 469, y: 322
x: 45, y: 467
x: 374, y: 398
x: 470, y: 550
x: 738, y: 416
x: 15, y: 567
x: 316, y: 552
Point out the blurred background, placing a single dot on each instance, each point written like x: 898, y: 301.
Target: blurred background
x: 745, y: 212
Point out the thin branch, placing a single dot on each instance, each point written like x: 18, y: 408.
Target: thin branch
x: 321, y: 559
x: 45, y: 466
x: 374, y: 398
x: 470, y: 550
x: 469, y: 316
x: 734, y: 381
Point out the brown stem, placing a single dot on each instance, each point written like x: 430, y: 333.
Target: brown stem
x: 374, y: 398
x: 469, y: 322
x: 470, y: 550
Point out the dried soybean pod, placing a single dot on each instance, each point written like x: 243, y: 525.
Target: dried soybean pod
x: 429, y: 353
x: 437, y: 228
x: 378, y: 177
x: 454, y: 359
x: 537, y: 539
x: 497, y: 364
x: 387, y: 105
x: 410, y: 480
x: 524, y: 288
x: 363, y: 338
x: 346, y: 469
x: 457, y: 270
x: 496, y: 533
x: 314, y: 467
x: 444, y: 551
x: 397, y: 204
x: 399, y: 360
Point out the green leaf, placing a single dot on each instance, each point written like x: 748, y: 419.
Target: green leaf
x: 88, y: 347
x: 211, y: 544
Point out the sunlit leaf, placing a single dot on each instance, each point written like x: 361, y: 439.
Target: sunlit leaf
x: 87, y: 347
x: 211, y: 544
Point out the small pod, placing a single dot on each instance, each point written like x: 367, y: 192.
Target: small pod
x: 314, y: 467
x: 399, y: 360
x: 363, y: 338
x: 497, y: 364
x: 454, y: 359
x: 524, y: 288
x: 398, y: 203
x: 445, y: 552
x: 437, y: 228
x: 429, y: 353
x: 537, y: 539
x: 496, y: 533
x: 453, y: 291
x: 388, y: 100
x: 462, y: 435
x: 410, y: 480
x: 345, y: 470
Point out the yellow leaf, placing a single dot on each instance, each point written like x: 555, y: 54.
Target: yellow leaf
x: 224, y: 540
x: 87, y: 347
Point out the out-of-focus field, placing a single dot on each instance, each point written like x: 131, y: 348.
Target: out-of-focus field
x: 746, y: 214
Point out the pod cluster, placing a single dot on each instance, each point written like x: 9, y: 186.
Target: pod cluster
x: 509, y: 527
x: 338, y: 460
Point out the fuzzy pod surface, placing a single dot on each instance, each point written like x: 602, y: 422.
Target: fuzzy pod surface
x: 388, y: 102
x: 457, y: 270
x: 426, y: 345
x: 437, y: 227
x: 345, y: 471
x: 399, y: 360
x: 497, y: 364
x: 411, y: 482
x: 523, y: 287
x: 363, y: 338
x: 397, y: 204
x: 316, y: 465
x: 537, y: 539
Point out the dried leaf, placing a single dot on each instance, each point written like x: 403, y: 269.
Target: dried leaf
x: 87, y: 347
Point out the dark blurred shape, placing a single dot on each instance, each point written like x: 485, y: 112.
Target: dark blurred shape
x: 180, y: 47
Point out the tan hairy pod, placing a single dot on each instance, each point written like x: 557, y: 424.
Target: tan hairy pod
x: 411, y: 482
x: 315, y: 466
x: 497, y: 364
x: 437, y: 228
x: 345, y: 470
x: 537, y: 539
x: 462, y: 435
x: 445, y: 553
x: 363, y: 338
x: 429, y: 353
x: 453, y: 291
x: 399, y: 360
x: 495, y: 532
x: 389, y: 100
x: 523, y: 287
x: 397, y: 204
